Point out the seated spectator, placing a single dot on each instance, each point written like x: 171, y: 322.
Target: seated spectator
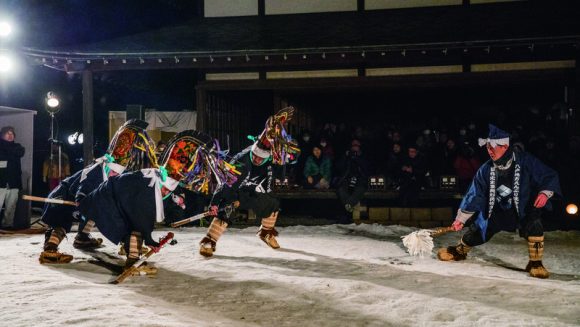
x: 317, y: 170
x: 394, y: 164
x: 413, y: 170
x: 466, y: 165
x: 305, y: 143
x: 353, y: 178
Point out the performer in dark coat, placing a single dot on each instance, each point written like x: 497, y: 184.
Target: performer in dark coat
x: 509, y: 192
x: 125, y: 208
x: 254, y: 186
x: 130, y: 148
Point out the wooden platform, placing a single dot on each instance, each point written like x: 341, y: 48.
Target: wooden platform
x: 373, y: 195
x: 377, y: 206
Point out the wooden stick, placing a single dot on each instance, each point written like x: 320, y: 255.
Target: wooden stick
x: 48, y: 200
x: 190, y: 219
x: 129, y: 271
x: 227, y: 208
x: 441, y: 230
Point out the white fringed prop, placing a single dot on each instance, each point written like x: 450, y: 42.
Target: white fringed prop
x: 420, y: 243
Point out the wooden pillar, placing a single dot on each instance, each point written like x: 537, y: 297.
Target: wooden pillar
x: 574, y: 97
x: 277, y: 101
x: 201, y: 108
x: 360, y: 5
x: 88, y: 109
x: 262, y: 8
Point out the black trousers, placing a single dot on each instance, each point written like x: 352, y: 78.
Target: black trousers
x: 350, y: 195
x: 501, y: 220
x: 263, y: 204
x: 59, y: 215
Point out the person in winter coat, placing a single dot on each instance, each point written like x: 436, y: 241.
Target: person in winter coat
x: 412, y: 178
x: 466, y: 165
x: 10, y: 174
x: 353, y: 170
x: 317, y: 170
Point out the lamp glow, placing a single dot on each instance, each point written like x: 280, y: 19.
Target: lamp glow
x: 52, y: 103
x: 72, y: 139
x: 572, y: 209
x: 52, y: 100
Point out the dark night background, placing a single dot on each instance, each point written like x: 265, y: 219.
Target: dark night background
x: 41, y: 24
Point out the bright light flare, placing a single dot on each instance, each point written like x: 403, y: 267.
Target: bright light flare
x: 5, y: 29
x: 6, y: 63
x: 572, y: 209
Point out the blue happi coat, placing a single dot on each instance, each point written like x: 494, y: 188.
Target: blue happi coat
x: 530, y: 177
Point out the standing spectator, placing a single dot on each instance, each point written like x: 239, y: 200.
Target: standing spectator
x: 10, y: 174
x: 549, y: 156
x: 53, y: 169
x: 317, y: 170
x: 413, y: 172
x: 466, y: 166
x: 341, y: 139
x: 443, y: 156
x: 394, y: 163
x: 396, y: 137
x: 305, y: 143
x: 449, y: 156
x: 353, y: 170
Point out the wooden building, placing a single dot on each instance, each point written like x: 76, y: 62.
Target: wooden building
x: 276, y: 48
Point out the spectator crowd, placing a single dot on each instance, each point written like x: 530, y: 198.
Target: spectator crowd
x: 412, y: 157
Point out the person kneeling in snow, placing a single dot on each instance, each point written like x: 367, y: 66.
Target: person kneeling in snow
x: 509, y: 191
x: 130, y: 149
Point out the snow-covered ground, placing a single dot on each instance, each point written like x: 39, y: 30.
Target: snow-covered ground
x: 337, y: 275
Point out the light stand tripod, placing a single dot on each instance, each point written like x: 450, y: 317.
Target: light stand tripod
x: 52, y: 107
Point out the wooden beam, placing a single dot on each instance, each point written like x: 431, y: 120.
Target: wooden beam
x: 88, y: 121
x: 331, y: 59
x: 398, y: 82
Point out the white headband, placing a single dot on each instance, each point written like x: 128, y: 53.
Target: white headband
x: 260, y: 152
x: 494, y: 142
